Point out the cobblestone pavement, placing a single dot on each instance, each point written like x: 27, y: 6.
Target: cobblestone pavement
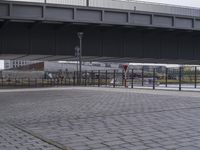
x: 99, y: 119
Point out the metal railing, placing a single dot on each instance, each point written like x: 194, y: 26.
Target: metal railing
x: 146, y: 6
x: 61, y: 2
x: 126, y: 5
x: 168, y: 79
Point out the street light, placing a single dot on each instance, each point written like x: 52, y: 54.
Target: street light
x: 77, y: 55
x: 80, y: 36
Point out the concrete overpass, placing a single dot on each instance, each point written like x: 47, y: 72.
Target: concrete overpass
x: 113, y: 31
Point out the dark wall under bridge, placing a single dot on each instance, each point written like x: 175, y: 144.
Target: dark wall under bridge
x: 157, y: 44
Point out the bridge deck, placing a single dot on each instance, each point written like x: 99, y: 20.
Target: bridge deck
x: 179, y: 18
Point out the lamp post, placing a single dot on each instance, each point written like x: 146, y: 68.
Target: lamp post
x: 80, y: 36
x: 77, y: 55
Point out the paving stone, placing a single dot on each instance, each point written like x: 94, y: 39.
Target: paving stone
x: 100, y: 119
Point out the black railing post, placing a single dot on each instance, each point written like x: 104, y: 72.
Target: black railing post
x: 87, y: 3
x: 106, y: 78
x: 74, y: 76
x: 114, y: 74
x: 132, y: 78
x: 2, y: 81
x: 180, y: 78
x: 195, y: 77
x: 154, y: 78
x: 166, y: 77
x: 85, y: 77
x: 99, y: 79
x: 142, y: 76
x: 92, y: 79
x: 123, y: 77
x: 29, y: 83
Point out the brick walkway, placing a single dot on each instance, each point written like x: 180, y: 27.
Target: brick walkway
x: 99, y: 119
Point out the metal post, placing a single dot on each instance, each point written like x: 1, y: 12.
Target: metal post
x: 195, y: 77
x: 142, y: 76
x: 166, y: 77
x: 132, y: 79
x: 87, y: 3
x: 80, y: 36
x: 106, y: 77
x: 180, y: 78
x: 92, y: 81
x: 85, y: 78
x: 77, y: 54
x: 2, y: 82
x: 154, y: 77
x: 123, y: 77
x: 114, y: 74
x: 99, y: 78
x: 74, y: 78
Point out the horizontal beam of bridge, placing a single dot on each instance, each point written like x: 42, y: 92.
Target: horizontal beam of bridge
x: 21, y: 11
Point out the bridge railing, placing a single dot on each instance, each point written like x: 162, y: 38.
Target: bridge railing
x: 62, y: 2
x: 126, y: 5
x: 145, y: 6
